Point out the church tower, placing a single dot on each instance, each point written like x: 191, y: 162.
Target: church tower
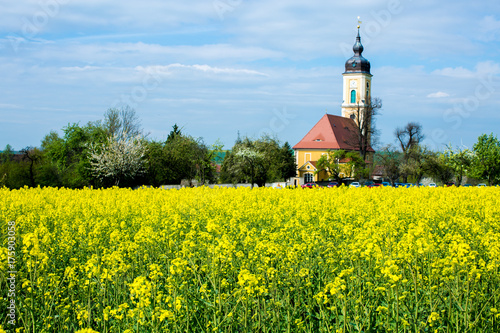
x: 357, y: 83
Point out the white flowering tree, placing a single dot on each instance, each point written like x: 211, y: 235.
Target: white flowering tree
x: 248, y: 160
x: 257, y: 162
x: 120, y: 158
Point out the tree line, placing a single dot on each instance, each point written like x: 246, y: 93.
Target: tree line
x: 410, y: 160
x: 115, y: 151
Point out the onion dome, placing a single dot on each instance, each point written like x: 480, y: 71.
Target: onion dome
x: 357, y: 64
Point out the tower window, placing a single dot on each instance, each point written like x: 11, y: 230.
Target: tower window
x: 353, y: 96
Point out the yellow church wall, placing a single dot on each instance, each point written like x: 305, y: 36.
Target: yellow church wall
x: 302, y: 156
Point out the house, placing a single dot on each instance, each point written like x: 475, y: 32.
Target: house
x: 334, y: 132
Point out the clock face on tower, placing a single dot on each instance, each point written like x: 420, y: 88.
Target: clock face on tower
x: 353, y: 84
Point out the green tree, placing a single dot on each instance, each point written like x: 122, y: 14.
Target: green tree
x: 189, y: 159
x: 213, y: 157
x: 486, y: 162
x: 70, y: 153
x: 409, y: 138
x: 7, y: 154
x: 390, y: 160
x: 419, y: 162
x: 459, y: 161
x: 12, y: 172
x: 354, y: 165
x: 157, y: 172
x: 179, y: 157
x: 438, y: 168
x: 287, y: 168
x: 176, y: 131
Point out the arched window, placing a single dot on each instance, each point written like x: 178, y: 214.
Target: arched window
x: 353, y: 96
x: 308, y: 178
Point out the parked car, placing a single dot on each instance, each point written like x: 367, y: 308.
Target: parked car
x: 332, y: 184
x: 309, y: 185
x: 355, y: 184
x: 386, y: 184
x: 482, y: 185
x: 369, y: 183
x: 466, y: 185
x: 432, y: 185
x: 375, y: 185
x: 449, y: 184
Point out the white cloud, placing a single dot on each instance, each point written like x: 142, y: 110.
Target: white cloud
x: 72, y: 52
x: 481, y: 69
x: 438, y: 94
x: 233, y: 71
x: 61, y: 15
x: 488, y: 68
x: 489, y: 29
x: 80, y: 69
x: 202, y: 68
x: 458, y: 72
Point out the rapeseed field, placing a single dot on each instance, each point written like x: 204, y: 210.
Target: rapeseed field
x: 261, y: 260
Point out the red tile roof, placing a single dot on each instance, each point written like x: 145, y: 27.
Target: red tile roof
x: 331, y: 132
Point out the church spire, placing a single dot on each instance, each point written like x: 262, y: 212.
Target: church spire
x: 357, y: 81
x: 358, y: 47
x: 357, y: 64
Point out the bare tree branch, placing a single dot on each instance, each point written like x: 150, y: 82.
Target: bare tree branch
x: 366, y: 134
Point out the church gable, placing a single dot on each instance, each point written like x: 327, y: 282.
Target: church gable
x: 309, y: 166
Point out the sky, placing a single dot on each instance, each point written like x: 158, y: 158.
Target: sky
x: 218, y: 68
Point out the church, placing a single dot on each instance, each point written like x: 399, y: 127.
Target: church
x: 338, y: 132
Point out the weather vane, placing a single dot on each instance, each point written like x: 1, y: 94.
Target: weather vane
x: 359, y: 22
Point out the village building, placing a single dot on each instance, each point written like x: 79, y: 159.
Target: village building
x: 333, y: 132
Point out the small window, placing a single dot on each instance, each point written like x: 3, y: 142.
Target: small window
x: 352, y: 117
x: 353, y: 96
x: 308, y: 178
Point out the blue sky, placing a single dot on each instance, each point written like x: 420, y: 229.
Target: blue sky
x: 216, y: 67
